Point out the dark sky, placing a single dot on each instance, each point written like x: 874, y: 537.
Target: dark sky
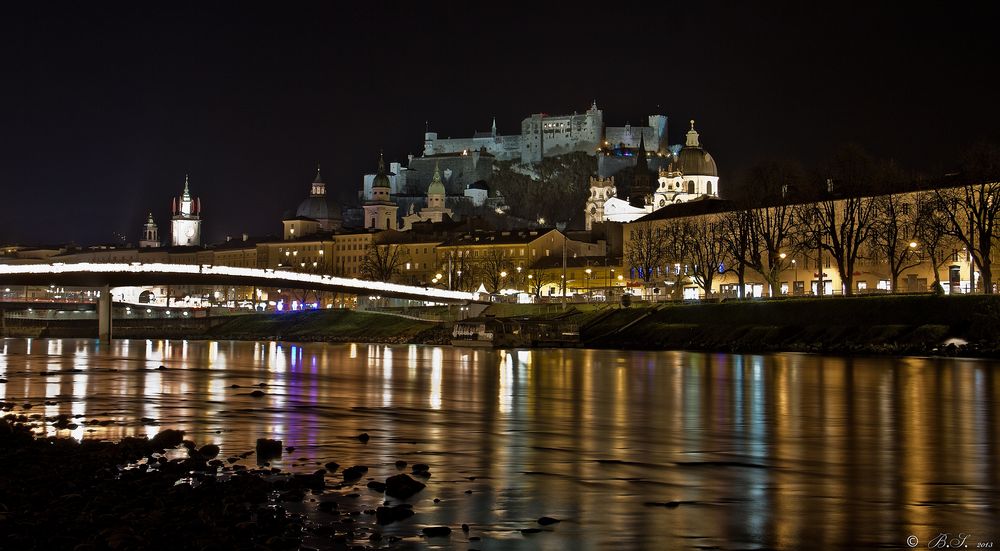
x: 105, y: 108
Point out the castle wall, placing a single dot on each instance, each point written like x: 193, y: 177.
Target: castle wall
x: 457, y: 172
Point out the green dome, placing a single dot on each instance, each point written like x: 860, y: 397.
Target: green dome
x: 381, y: 178
x: 437, y: 186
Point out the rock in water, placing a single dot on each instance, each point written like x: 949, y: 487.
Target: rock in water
x: 167, y: 439
x: 401, y: 464
x: 377, y: 486
x: 257, y: 393
x: 545, y: 521
x: 421, y: 468
x: 268, y: 449
x: 363, y: 437
x: 355, y: 472
x: 388, y: 515
x: 332, y: 466
x: 435, y: 531
x: 210, y: 451
x: 401, y: 486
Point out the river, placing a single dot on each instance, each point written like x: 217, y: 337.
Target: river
x: 630, y: 450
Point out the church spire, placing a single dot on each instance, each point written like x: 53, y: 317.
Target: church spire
x: 640, y: 161
x: 186, y: 192
x: 494, y: 127
x: 381, y: 164
x: 318, y: 179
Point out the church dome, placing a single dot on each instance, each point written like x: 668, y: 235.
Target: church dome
x: 381, y: 177
x: 437, y: 186
x: 319, y: 208
x: 693, y: 160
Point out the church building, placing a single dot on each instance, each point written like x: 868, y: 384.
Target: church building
x: 690, y: 176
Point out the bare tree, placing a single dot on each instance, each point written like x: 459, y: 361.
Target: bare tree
x: 537, y: 279
x: 677, y: 239
x: 771, y: 221
x: 491, y: 265
x: 894, y: 237
x: 646, y: 252
x: 737, y: 234
x: 972, y: 209
x: 931, y: 233
x: 842, y: 227
x: 382, y: 262
x: 706, y: 250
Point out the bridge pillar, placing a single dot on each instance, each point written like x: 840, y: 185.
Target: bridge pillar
x: 104, y: 315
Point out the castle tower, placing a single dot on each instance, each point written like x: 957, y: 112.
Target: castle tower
x: 380, y: 211
x: 186, y: 222
x: 641, y: 193
x: 600, y: 191
x: 150, y: 234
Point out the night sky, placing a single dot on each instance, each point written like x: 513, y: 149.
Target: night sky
x: 105, y: 108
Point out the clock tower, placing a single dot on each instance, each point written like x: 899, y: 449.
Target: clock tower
x: 186, y: 223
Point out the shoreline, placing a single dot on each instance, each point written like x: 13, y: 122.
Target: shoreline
x: 881, y: 325
x: 156, y: 493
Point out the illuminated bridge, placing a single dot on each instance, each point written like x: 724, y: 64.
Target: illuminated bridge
x: 106, y: 276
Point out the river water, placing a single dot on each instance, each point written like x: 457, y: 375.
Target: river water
x: 786, y: 451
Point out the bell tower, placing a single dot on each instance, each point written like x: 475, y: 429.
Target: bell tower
x: 150, y: 234
x: 380, y: 211
x: 186, y: 222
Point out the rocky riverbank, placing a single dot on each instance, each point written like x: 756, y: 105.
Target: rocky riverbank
x: 167, y: 492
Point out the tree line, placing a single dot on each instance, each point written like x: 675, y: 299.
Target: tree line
x: 863, y: 210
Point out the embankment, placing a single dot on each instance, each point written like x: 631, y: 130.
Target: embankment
x: 885, y: 324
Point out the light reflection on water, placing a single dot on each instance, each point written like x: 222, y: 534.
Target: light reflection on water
x: 786, y: 451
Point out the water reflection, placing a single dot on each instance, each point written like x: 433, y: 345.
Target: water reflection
x: 780, y: 451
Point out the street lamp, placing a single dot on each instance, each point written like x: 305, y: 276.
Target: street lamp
x: 781, y: 266
x: 796, y: 268
x: 588, y: 272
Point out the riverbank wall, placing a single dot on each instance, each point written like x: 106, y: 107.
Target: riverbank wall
x: 967, y: 325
